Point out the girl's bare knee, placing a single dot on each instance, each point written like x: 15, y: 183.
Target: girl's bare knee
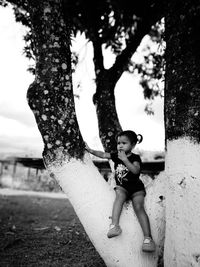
x: 120, y: 193
x: 138, y: 208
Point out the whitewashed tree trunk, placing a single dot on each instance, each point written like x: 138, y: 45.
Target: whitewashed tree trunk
x: 182, y: 246
x: 92, y: 199
x: 51, y: 99
x: 182, y: 114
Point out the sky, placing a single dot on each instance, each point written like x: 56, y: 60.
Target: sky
x: 18, y: 131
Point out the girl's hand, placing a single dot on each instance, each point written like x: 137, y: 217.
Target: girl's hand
x: 122, y: 155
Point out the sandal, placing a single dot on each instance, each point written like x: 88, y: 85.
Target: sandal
x: 148, y: 244
x: 114, y: 230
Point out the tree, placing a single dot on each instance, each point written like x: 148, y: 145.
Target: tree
x: 118, y: 26
x: 121, y: 26
x: 182, y: 120
x: 51, y: 99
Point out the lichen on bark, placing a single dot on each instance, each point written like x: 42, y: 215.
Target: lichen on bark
x: 50, y: 96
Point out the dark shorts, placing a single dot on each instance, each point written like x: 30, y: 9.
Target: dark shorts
x: 132, y: 190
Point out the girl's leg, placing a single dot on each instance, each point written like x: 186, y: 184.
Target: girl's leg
x: 138, y: 206
x: 118, y: 205
x: 120, y: 198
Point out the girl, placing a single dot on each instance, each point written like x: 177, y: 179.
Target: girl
x: 127, y: 167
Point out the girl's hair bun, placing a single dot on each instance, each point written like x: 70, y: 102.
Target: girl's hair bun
x: 139, y: 138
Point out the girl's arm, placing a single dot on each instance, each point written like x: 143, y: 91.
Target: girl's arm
x: 134, y: 167
x: 100, y: 154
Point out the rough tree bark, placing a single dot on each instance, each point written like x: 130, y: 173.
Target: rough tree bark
x: 106, y: 80
x: 182, y: 116
x: 104, y: 101
x: 50, y: 96
x: 51, y: 99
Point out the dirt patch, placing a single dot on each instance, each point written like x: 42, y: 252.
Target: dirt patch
x: 42, y: 231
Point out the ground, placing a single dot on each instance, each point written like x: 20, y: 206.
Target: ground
x: 40, y: 230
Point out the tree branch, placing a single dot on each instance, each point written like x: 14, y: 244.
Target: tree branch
x: 121, y: 60
x: 98, y: 55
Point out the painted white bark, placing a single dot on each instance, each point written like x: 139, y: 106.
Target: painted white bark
x: 92, y: 199
x: 182, y: 245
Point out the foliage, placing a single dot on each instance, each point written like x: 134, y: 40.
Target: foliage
x: 111, y: 23
x: 3, y: 3
x: 114, y: 24
x: 151, y: 67
x: 108, y: 22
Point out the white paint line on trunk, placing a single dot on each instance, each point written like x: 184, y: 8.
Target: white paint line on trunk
x: 92, y: 199
x: 182, y: 246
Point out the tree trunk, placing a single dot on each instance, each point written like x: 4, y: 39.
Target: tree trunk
x: 106, y: 80
x: 78, y: 180
x: 50, y: 96
x: 182, y: 118
x: 51, y: 99
x: 104, y: 100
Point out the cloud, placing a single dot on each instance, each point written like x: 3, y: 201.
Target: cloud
x: 24, y: 116
x: 13, y: 127
x: 15, y: 79
x: 21, y: 146
x: 17, y: 137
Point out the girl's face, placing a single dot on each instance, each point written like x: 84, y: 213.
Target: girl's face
x: 124, y: 144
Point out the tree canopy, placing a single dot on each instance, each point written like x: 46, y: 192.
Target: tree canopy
x: 111, y: 24
x: 121, y: 27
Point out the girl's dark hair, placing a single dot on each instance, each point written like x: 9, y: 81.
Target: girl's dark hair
x: 132, y: 136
